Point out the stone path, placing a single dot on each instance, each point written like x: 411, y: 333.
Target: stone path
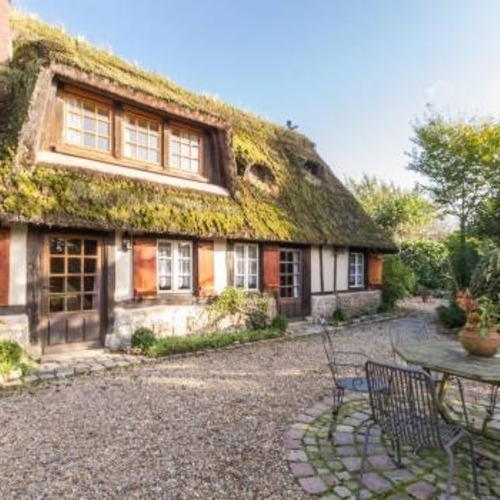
x: 331, y: 469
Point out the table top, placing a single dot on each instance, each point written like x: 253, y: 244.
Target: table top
x: 451, y: 358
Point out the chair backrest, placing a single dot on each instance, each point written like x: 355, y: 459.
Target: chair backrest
x: 329, y: 350
x: 404, y: 404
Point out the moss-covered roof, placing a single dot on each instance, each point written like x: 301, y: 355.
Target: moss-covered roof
x: 302, y: 208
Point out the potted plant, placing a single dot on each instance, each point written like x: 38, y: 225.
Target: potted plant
x: 480, y: 335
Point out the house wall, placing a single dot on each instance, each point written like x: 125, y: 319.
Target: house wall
x: 352, y: 303
x: 124, y: 286
x: 342, y: 269
x: 18, y: 268
x: 14, y: 324
x: 328, y: 269
x: 220, y: 266
x: 315, y: 270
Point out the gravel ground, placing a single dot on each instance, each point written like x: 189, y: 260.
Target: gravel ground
x: 207, y: 426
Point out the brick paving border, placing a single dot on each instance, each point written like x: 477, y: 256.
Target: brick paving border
x: 330, y: 470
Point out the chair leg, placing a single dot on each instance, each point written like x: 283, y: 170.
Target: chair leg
x: 363, y: 458
x: 473, y: 463
x: 338, y: 399
x: 451, y: 472
x: 399, y: 463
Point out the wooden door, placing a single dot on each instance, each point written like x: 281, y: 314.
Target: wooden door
x: 291, y: 292
x: 72, y: 292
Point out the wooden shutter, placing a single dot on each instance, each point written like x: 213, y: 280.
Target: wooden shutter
x: 4, y: 266
x: 145, y: 251
x: 271, y: 269
x: 375, y: 269
x: 205, y: 268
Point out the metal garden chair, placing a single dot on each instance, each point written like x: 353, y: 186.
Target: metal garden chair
x: 353, y: 378
x: 404, y: 406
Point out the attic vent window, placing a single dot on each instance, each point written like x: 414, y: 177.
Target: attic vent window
x: 261, y: 175
x: 315, y: 169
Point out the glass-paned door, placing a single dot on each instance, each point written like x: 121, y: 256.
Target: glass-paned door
x: 291, y: 283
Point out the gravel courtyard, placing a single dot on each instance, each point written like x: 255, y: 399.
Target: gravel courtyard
x: 207, y: 426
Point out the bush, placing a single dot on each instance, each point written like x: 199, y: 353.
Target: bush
x: 175, y: 345
x: 398, y: 281
x: 10, y: 352
x: 451, y: 316
x: 339, y: 315
x: 486, y: 277
x: 280, y: 323
x: 429, y: 262
x: 462, y: 263
x: 143, y: 338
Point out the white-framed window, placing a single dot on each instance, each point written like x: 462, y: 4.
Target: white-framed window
x: 185, y: 149
x: 246, y: 266
x: 175, y: 266
x: 141, y: 139
x: 356, y: 269
x: 87, y: 124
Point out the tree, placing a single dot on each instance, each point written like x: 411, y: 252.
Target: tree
x: 459, y: 159
x: 403, y: 213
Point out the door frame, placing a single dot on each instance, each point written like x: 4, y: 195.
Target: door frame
x: 44, y: 287
x: 305, y: 252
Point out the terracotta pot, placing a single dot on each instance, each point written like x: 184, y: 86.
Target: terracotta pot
x: 475, y: 344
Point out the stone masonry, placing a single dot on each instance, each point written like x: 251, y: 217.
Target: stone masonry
x: 352, y: 303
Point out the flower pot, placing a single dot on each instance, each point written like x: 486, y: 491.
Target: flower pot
x: 477, y: 345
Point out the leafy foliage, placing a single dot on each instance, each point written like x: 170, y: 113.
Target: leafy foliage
x: 10, y: 351
x: 339, y: 315
x: 428, y: 259
x: 143, y: 338
x: 485, y: 280
x: 280, y: 323
x: 451, y: 316
x: 398, y: 281
x: 463, y: 259
x: 403, y: 213
x: 174, y: 345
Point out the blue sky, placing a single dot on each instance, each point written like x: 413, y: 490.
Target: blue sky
x: 353, y: 75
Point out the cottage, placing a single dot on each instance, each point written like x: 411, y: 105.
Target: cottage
x: 126, y: 200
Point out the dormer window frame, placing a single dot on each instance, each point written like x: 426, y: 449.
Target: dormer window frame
x: 119, y: 109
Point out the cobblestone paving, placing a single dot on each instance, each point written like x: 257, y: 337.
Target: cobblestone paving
x: 331, y: 469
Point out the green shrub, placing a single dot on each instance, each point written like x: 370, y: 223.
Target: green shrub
x: 462, y: 262
x: 385, y: 308
x: 280, y: 323
x: 398, y: 281
x: 339, y: 315
x: 485, y: 279
x: 10, y: 352
x: 451, y: 316
x: 143, y: 338
x: 428, y: 260
x: 175, y: 345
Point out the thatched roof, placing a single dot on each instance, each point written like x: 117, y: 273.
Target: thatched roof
x: 304, y: 203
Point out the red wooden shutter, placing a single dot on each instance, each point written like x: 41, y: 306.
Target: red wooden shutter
x: 205, y: 268
x: 271, y: 269
x: 145, y: 250
x: 4, y: 266
x: 375, y: 269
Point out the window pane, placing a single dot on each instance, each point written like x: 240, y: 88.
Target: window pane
x: 74, y: 247
x: 143, y: 139
x: 56, y: 265
x: 165, y: 283
x: 239, y: 281
x: 74, y: 120
x: 142, y: 154
x: 252, y: 282
x: 89, y: 124
x: 184, y: 249
x: 56, y: 285
x: 90, y: 302
x: 73, y: 137
x: 73, y: 303
x: 175, y: 148
x: 73, y: 284
x: 103, y: 144
x: 165, y: 249
x: 90, y: 266
x: 56, y: 304
x: 89, y: 140
x: 74, y: 266
x: 252, y: 267
x: 89, y: 283
x: 90, y: 247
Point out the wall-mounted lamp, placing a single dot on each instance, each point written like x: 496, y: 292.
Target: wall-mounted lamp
x: 126, y: 241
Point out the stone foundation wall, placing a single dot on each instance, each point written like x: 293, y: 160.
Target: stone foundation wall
x: 352, y: 303
x: 169, y: 320
x: 16, y: 327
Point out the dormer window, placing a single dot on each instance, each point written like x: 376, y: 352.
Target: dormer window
x: 141, y: 139
x: 186, y: 150
x: 87, y: 124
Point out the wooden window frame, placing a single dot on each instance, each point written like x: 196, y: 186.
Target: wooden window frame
x: 175, y: 260
x: 293, y: 274
x: 96, y: 101
x: 357, y: 286
x: 150, y: 118
x: 246, y: 262
x: 173, y: 126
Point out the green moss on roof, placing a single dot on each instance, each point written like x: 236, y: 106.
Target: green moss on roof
x: 298, y: 210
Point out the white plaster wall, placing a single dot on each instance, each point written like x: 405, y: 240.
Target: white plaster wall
x: 124, y: 281
x: 342, y: 269
x: 18, y: 265
x: 315, y: 270
x: 220, y: 267
x: 328, y: 268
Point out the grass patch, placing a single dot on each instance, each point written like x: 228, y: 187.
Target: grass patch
x: 175, y: 345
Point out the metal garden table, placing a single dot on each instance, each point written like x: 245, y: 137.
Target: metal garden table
x: 450, y: 359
